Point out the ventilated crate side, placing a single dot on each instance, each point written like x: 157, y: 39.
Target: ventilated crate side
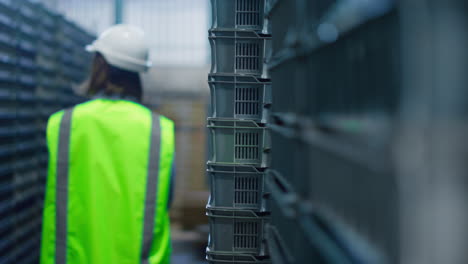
x: 285, y: 16
x: 238, y: 142
x: 234, y: 232
x: 239, y: 52
x: 237, y: 187
x: 287, y: 242
x: 242, y: 97
x: 239, y: 14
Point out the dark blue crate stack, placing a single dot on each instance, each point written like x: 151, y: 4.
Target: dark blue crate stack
x: 27, y: 213
x: 238, y: 208
x: 32, y: 86
x: 46, y: 92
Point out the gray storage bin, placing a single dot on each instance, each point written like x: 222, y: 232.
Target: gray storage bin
x: 28, y: 72
x: 282, y: 231
x: 288, y: 77
x: 239, y: 14
x: 239, y: 52
x: 28, y: 11
x: 290, y: 154
x: 236, y: 258
x: 285, y: 18
x: 236, y: 232
x: 242, y: 97
x: 345, y: 158
x: 237, y: 187
x: 354, y: 166
x: 242, y: 142
x: 286, y: 240
x: 351, y: 84
x: 48, y: 19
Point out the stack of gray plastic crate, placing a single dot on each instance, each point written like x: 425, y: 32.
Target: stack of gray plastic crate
x: 239, y: 139
x: 31, y: 43
x: 335, y: 83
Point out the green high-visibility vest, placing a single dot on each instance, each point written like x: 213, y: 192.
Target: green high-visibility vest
x: 108, y: 185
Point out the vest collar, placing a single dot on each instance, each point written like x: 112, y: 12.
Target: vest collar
x: 116, y: 97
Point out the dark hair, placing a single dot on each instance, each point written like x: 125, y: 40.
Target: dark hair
x: 109, y: 80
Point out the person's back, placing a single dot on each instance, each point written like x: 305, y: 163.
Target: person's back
x: 108, y: 185
x: 108, y: 167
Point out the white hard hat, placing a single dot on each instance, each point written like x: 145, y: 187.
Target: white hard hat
x: 123, y: 46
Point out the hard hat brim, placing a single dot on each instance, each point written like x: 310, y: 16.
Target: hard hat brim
x: 120, y: 61
x: 90, y: 48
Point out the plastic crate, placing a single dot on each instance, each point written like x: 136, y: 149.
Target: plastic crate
x: 291, y: 246
x: 241, y: 97
x: 350, y: 173
x: 349, y: 71
x: 284, y: 213
x: 8, y: 14
x: 27, y: 64
x: 239, y: 52
x: 236, y: 232
x: 8, y: 41
x: 238, y: 142
x: 236, y: 258
x: 6, y: 208
x: 27, y: 47
x: 346, y: 162
x: 7, y: 75
x: 288, y: 79
x: 8, y: 58
x: 48, y: 19
x: 316, y: 238
x: 7, y: 222
x: 8, y: 6
x: 315, y: 11
x: 239, y: 14
x: 285, y: 16
x: 28, y: 11
x: 286, y: 241
x: 47, y: 51
x: 27, y: 30
x: 290, y: 154
x: 237, y: 187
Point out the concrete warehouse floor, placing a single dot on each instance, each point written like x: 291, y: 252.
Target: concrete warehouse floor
x: 188, y: 247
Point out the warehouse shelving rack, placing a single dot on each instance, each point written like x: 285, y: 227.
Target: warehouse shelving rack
x: 30, y: 50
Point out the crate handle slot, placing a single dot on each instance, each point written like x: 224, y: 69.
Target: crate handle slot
x: 278, y: 250
x: 282, y: 192
x: 334, y: 240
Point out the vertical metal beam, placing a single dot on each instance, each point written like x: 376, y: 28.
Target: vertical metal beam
x: 119, y: 8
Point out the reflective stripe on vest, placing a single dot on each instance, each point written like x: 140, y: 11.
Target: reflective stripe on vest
x: 62, y: 188
x: 151, y: 188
